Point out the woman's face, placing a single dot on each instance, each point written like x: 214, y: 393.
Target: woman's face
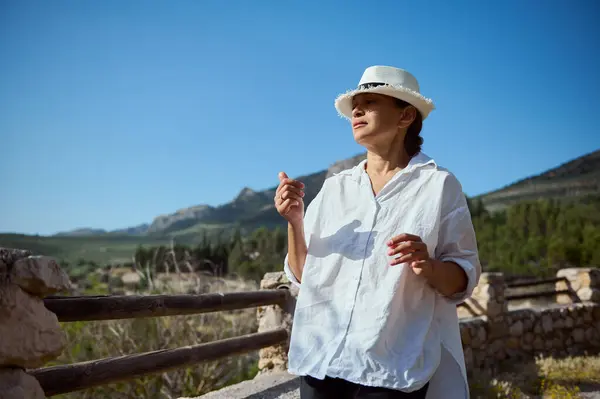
x: 378, y: 120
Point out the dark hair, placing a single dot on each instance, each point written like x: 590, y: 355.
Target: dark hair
x: 413, y: 140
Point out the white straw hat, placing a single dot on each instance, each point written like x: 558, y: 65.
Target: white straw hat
x: 390, y: 81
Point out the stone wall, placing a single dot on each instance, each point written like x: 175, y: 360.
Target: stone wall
x: 556, y: 331
x: 492, y: 335
x: 30, y: 335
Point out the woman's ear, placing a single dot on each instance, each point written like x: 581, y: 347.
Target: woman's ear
x: 409, y: 114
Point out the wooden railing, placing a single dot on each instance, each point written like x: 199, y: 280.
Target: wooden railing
x: 73, y: 377
x: 553, y: 292
x: 501, y: 296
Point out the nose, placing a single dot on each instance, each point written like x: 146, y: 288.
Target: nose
x: 357, y: 111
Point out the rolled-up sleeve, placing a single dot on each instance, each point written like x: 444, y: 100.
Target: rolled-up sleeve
x: 457, y: 241
x: 288, y: 272
x: 310, y: 219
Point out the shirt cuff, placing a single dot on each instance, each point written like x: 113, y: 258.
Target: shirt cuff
x: 289, y: 274
x: 471, y: 273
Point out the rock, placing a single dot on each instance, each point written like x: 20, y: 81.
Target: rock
x: 15, y: 383
x: 516, y: 329
x: 273, y: 280
x: 512, y: 343
x: 578, y: 335
x: 131, y: 279
x: 547, y: 323
x: 4, y: 275
x: 465, y: 336
x: 538, y: 343
x: 468, y: 357
x: 596, y: 313
x: 589, y: 294
x: 31, y: 334
x: 558, y: 324
x: 569, y: 323
x: 10, y: 255
x: 591, y: 334
x: 491, y: 278
x: 487, y: 290
x: 591, y: 278
x: 40, y: 276
x: 588, y: 318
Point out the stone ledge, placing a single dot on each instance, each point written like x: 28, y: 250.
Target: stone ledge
x: 268, y: 386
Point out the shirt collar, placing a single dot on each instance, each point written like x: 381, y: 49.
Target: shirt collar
x: 418, y: 161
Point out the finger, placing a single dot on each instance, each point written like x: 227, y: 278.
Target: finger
x: 407, y: 247
x: 283, y: 207
x: 291, y: 182
x: 287, y: 206
x: 289, y: 194
x: 282, y: 175
x: 291, y: 189
x: 418, y: 264
x: 403, y: 237
x: 287, y: 183
x: 412, y: 257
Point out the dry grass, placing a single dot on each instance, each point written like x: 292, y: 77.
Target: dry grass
x: 546, y: 378
x: 95, y: 340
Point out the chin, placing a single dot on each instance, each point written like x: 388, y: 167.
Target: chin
x: 363, y: 136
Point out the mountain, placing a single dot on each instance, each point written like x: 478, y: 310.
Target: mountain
x: 84, y: 231
x: 576, y: 178
x: 248, y: 210
x: 135, y: 230
x: 251, y: 209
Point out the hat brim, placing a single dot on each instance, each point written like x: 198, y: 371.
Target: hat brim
x: 343, y: 103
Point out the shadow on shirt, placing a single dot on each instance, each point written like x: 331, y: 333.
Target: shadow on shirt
x: 346, y: 242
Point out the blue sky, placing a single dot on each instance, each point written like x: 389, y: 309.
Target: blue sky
x: 113, y: 112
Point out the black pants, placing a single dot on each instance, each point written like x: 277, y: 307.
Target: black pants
x: 335, y: 388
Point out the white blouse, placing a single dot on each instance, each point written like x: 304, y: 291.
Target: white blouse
x: 358, y: 318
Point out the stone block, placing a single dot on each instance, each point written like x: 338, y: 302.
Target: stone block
x: 15, y: 383
x: 8, y: 256
x: 31, y: 334
x: 39, y: 276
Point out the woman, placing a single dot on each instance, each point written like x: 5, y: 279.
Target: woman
x: 382, y: 257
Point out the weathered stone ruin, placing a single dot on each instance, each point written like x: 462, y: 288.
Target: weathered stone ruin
x: 30, y: 335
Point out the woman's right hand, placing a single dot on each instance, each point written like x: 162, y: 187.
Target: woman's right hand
x: 289, y: 199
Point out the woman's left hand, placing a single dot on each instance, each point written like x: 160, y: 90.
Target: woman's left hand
x: 412, y: 250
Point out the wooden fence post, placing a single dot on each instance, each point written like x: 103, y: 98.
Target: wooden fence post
x: 488, y: 298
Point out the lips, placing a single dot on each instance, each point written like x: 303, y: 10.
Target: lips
x: 358, y: 124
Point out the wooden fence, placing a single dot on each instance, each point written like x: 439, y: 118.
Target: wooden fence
x: 68, y: 378
x: 73, y: 377
x: 540, y: 294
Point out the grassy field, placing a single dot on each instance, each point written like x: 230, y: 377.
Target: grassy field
x: 103, y: 249
x: 569, y: 378
x: 107, y: 248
